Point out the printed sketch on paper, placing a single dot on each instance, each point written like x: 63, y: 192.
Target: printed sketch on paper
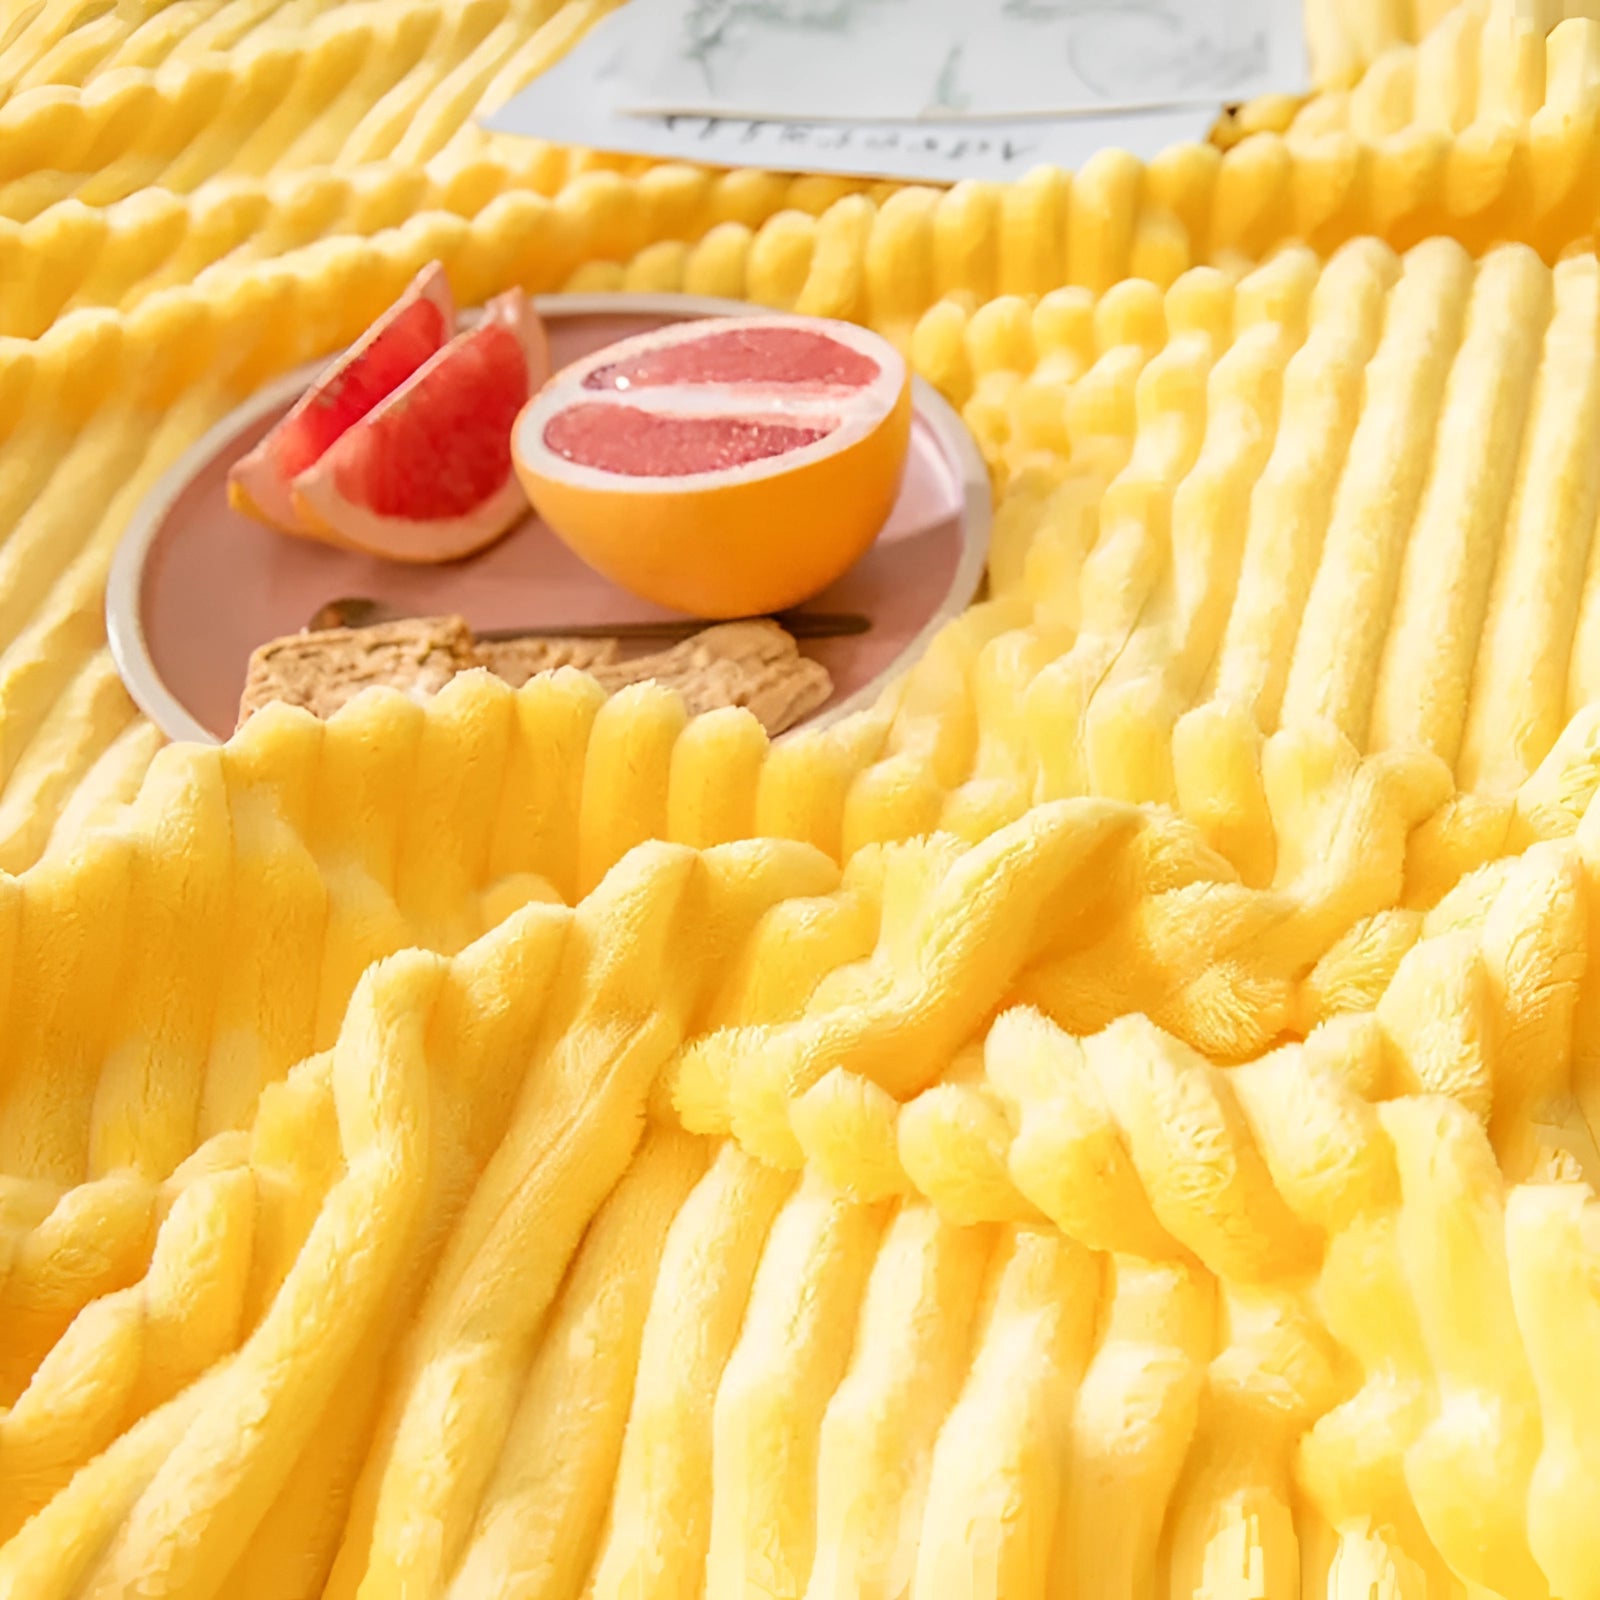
x: 1118, y: 48
x: 949, y: 99
x: 713, y: 28
x: 1119, y: 51
x: 584, y: 99
x: 949, y: 60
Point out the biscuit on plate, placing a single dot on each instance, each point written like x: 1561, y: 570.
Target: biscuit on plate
x: 320, y: 672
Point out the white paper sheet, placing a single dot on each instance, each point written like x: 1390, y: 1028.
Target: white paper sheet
x: 946, y: 60
x: 577, y: 101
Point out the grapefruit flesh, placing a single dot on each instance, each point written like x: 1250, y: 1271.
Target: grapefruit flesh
x: 764, y: 354
x: 414, y: 329
x: 727, y: 467
x: 640, y: 444
x: 426, y: 475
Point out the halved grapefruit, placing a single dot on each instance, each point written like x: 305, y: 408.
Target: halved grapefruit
x: 426, y: 474
x: 417, y: 326
x: 725, y: 467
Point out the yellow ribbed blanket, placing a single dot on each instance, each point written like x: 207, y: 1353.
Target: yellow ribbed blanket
x: 1114, y: 1122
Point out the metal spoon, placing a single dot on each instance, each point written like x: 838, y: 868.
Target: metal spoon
x: 361, y: 611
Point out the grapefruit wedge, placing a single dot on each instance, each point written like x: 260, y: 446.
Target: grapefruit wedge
x: 417, y: 326
x: 725, y: 467
x: 426, y: 474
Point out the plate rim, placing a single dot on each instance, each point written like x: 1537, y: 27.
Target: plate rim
x: 130, y: 649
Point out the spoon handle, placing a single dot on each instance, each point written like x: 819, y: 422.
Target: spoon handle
x: 800, y: 625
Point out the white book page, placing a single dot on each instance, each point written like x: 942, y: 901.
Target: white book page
x: 946, y: 60
x: 578, y: 101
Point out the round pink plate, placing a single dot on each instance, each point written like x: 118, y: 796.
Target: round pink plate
x: 195, y: 587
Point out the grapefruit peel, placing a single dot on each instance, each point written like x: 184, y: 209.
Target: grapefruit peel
x: 426, y: 476
x: 401, y: 449
x: 724, y: 468
x: 416, y: 327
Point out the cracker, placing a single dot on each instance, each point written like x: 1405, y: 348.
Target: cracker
x: 752, y: 664
x: 517, y: 660
x: 320, y: 672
